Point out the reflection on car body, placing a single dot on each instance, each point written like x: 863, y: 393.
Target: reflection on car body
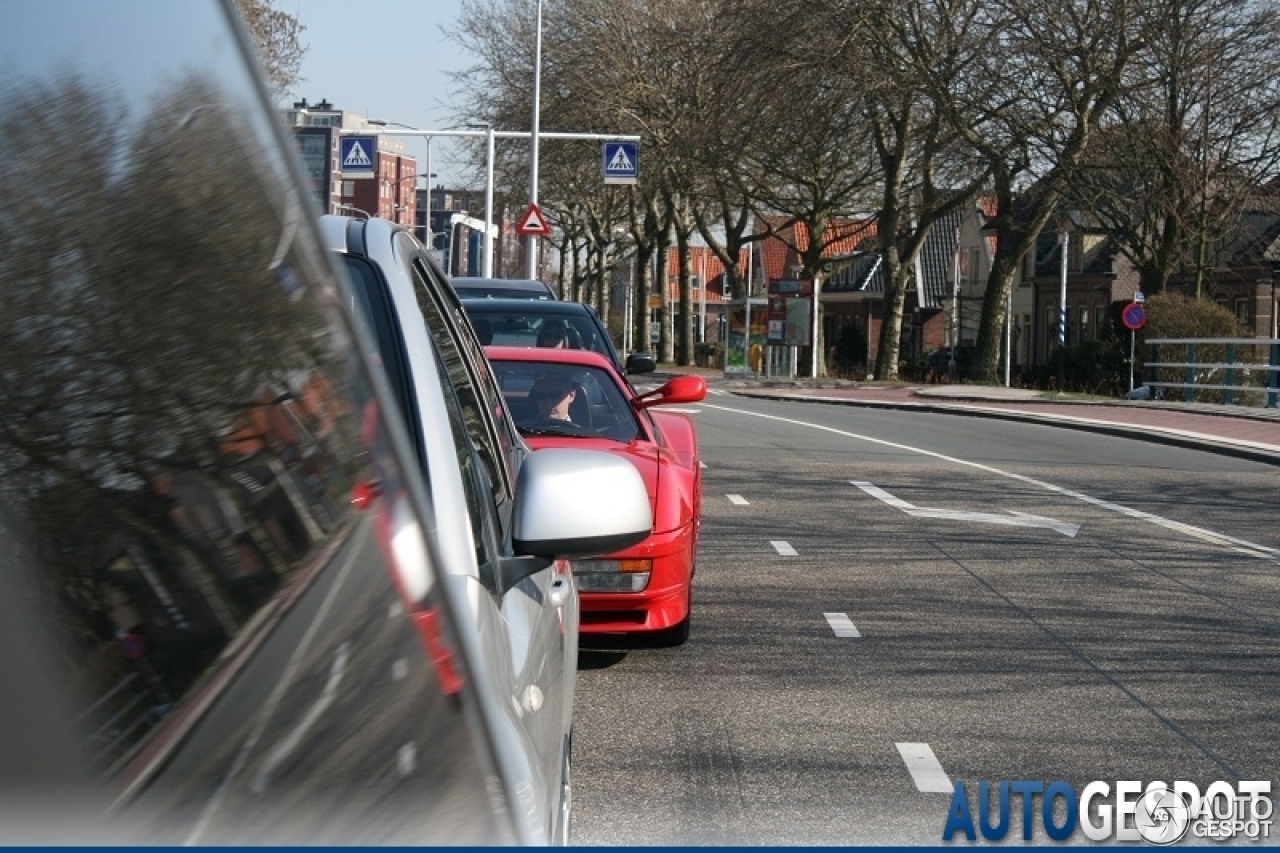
x: 228, y: 613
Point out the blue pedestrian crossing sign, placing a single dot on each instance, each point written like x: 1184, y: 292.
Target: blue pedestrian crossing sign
x: 357, y: 155
x: 621, y: 162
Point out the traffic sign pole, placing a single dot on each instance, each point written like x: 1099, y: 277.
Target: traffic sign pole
x: 1134, y: 317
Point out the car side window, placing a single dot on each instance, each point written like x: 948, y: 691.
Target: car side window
x: 477, y: 482
x: 477, y: 403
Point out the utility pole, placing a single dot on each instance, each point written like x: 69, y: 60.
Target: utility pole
x: 1064, y: 238
x: 531, y: 254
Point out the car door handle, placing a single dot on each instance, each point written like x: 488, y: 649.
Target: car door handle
x: 560, y: 590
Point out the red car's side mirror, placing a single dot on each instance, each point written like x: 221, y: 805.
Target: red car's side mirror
x: 680, y: 389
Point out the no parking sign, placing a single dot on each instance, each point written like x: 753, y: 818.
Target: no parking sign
x: 1134, y: 316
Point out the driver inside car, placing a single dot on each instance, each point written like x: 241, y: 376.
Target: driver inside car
x: 552, y: 396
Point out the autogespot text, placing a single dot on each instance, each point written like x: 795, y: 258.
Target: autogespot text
x: 1111, y: 811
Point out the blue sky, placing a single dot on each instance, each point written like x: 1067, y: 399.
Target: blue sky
x: 384, y: 59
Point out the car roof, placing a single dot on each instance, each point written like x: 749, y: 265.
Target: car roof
x: 462, y: 282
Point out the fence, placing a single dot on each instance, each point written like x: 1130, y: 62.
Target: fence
x: 1230, y: 371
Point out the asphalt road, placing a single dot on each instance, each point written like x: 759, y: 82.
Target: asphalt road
x: 888, y: 602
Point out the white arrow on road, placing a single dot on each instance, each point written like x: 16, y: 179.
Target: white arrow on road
x: 1013, y: 519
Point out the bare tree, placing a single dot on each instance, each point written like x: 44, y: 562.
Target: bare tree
x: 1072, y: 61
x: 1184, y: 156
x: 809, y: 152
x: 925, y: 171
x: 276, y: 36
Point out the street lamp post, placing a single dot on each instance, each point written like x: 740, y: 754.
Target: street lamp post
x: 531, y: 255
x: 1064, y: 238
x: 488, y: 202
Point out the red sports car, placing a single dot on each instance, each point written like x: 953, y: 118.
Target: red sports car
x: 576, y: 398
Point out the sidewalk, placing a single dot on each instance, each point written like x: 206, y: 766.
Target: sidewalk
x: 1248, y: 432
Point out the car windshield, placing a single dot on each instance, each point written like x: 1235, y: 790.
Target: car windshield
x: 520, y: 327
x: 547, y: 398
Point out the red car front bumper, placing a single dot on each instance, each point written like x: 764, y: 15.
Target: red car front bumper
x: 662, y: 604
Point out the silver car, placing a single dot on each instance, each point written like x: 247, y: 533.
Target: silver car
x: 274, y: 571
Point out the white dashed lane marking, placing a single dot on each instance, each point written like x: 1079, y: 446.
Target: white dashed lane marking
x: 784, y: 548
x: 737, y: 499
x: 924, y: 768
x: 842, y: 625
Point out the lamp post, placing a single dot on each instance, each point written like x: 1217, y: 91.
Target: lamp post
x: 1275, y: 273
x: 1063, y: 238
x: 531, y: 253
x: 487, y: 270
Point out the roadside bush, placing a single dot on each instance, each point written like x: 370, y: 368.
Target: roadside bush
x: 1172, y: 315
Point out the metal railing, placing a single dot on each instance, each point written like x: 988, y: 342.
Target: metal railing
x: 1230, y: 371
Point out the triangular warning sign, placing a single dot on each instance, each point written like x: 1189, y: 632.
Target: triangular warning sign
x: 620, y: 162
x: 533, y: 223
x: 357, y: 156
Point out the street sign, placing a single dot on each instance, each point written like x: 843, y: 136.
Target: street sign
x: 621, y: 162
x: 1134, y: 316
x: 533, y: 223
x: 1138, y: 296
x: 356, y: 156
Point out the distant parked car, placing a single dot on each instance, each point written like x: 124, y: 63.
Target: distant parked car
x: 524, y: 323
x: 572, y: 398
x: 502, y: 288
x: 277, y: 569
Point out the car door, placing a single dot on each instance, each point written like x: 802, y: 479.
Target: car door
x: 540, y: 616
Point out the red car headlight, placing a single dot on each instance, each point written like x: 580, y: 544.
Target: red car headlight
x: 612, y: 575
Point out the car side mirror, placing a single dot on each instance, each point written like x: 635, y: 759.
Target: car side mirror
x: 680, y: 389
x: 572, y: 504
x: 641, y: 362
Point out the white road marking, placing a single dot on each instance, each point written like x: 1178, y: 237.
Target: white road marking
x: 407, y: 759
x: 394, y: 610
x: 784, y: 549
x: 737, y: 499
x: 1241, y: 545
x: 1014, y: 519
x: 285, y: 681
x: 399, y: 669
x: 924, y: 768
x: 286, y: 747
x: 682, y: 411
x: 841, y: 625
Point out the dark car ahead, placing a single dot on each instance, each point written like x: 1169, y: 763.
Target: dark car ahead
x: 502, y: 288
x: 244, y: 602
x: 529, y: 323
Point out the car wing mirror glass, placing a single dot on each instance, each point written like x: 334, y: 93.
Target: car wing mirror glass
x: 572, y: 503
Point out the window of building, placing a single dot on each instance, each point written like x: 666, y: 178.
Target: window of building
x: 1242, y: 311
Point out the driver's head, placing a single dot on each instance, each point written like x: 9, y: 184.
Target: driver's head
x: 552, y: 396
x: 554, y: 334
